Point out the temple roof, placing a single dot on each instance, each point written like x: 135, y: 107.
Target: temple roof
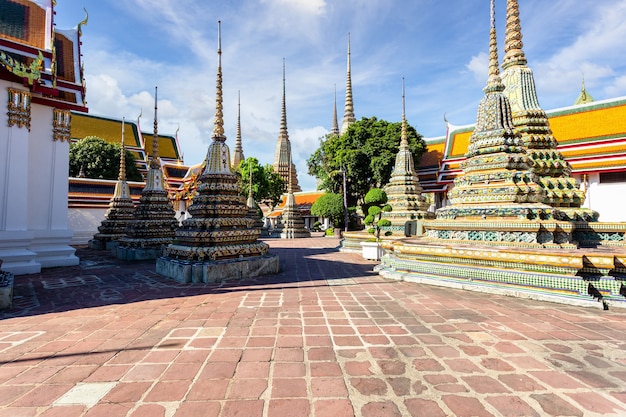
x: 45, y: 59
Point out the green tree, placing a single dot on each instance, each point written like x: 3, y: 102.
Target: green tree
x: 330, y: 206
x: 267, y: 185
x: 100, y: 159
x: 375, y: 204
x: 366, y: 151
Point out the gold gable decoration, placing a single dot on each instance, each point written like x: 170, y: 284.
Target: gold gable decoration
x: 19, y: 108
x: 61, y: 125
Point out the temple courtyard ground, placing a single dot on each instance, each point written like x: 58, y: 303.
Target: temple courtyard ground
x: 326, y: 337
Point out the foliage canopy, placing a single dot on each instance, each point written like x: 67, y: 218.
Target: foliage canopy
x: 101, y: 159
x: 267, y: 185
x: 366, y: 151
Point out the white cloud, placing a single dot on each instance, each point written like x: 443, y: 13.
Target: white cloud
x: 479, y: 66
x: 309, y: 7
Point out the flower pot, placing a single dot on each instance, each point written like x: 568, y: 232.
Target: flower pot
x: 372, y: 250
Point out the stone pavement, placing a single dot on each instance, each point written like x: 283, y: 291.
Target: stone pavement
x: 325, y: 338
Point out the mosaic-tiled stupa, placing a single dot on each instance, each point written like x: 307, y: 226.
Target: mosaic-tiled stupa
x: 499, y: 236
x: 348, y: 111
x: 497, y: 199
x: 219, y: 242
x: 531, y: 123
x: 404, y: 192
x: 154, y: 222
x: 120, y: 212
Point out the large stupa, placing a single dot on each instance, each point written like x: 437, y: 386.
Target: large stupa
x: 154, y: 222
x: 219, y: 242
x: 531, y: 123
x: 120, y: 212
x: 404, y: 192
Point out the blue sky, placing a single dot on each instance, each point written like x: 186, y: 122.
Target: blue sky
x: 439, y: 47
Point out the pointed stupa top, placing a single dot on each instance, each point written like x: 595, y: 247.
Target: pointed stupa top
x: 494, y: 82
x: 584, y: 97
x: 335, y: 126
x: 238, y: 153
x: 218, y: 155
x: 122, y: 174
x: 218, y: 128
x: 283, y: 115
x: 513, y: 52
x: 348, y: 113
x: 154, y: 160
x: 404, y: 135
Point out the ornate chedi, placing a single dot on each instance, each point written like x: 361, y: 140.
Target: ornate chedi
x: 120, y: 212
x: 219, y: 241
x: 282, y: 157
x: 348, y: 112
x: 238, y: 153
x: 291, y: 220
x: 531, y: 122
x: 334, y: 129
x: 154, y: 222
x: 498, y: 183
x: 499, y: 236
x: 253, y: 211
x: 404, y: 192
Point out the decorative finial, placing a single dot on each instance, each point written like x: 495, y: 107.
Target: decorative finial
x: 494, y: 82
x: 348, y: 115
x: 83, y: 23
x: 122, y: 174
x: 154, y: 161
x: 218, y: 129
x: 238, y: 138
x: 283, y: 116
x: 334, y: 129
x: 404, y: 141
x: 513, y: 52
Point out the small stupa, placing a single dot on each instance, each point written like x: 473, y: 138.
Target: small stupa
x: 238, y: 153
x: 282, y: 157
x: 292, y: 221
x: 334, y: 129
x: 120, y: 212
x: 253, y: 211
x: 531, y: 122
x: 154, y: 222
x: 219, y: 242
x: 404, y: 192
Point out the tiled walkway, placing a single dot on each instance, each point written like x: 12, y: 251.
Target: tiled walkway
x: 324, y: 338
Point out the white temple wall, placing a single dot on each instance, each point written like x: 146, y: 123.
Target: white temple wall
x: 15, y: 237
x: 607, y: 199
x: 84, y: 223
x: 47, y: 192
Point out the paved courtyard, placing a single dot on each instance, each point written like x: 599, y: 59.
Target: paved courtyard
x: 326, y: 337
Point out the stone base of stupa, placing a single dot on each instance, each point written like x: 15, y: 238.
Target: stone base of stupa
x: 105, y: 243
x: 217, y: 271
x: 127, y: 253
x: 288, y: 233
x: 582, y: 277
x: 6, y: 290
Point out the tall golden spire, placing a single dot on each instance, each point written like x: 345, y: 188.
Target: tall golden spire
x: 334, y: 129
x: 348, y: 114
x: 154, y: 160
x: 122, y: 174
x: 513, y: 53
x: 283, y: 115
x: 238, y: 153
x: 404, y: 138
x: 494, y: 82
x: 218, y: 129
